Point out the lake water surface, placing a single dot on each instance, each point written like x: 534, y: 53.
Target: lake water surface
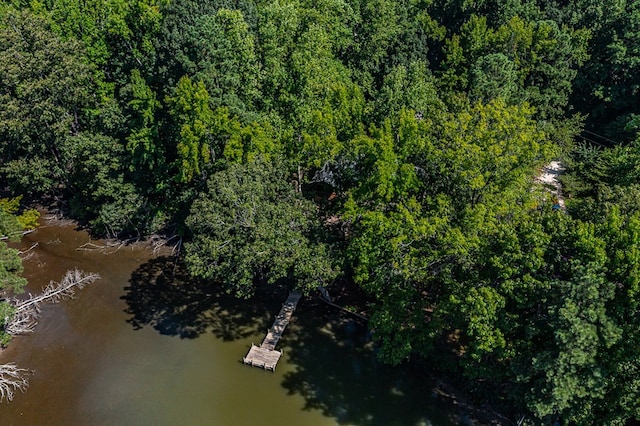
x: 146, y: 345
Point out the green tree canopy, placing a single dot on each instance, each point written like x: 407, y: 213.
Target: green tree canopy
x: 45, y: 90
x: 250, y: 226
x: 11, y: 281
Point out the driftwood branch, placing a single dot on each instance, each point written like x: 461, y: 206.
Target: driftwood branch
x: 12, y: 379
x: 27, y: 311
x: 107, y: 248
x: 28, y: 253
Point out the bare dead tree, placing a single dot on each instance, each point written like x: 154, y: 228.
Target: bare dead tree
x: 27, y: 311
x: 12, y: 379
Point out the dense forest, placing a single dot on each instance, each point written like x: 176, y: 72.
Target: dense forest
x: 391, y: 145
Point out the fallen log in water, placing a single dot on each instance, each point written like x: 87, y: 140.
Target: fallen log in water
x: 27, y: 311
x: 25, y: 318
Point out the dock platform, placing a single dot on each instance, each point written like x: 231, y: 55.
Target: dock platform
x: 266, y: 356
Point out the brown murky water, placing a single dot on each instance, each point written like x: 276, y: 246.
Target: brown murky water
x: 145, y: 345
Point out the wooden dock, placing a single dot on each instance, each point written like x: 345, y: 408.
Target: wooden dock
x: 266, y: 356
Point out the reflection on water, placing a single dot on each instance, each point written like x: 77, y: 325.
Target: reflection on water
x: 147, y: 345
x: 337, y: 374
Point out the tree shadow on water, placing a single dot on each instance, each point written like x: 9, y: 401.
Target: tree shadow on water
x: 336, y: 372
x: 161, y: 294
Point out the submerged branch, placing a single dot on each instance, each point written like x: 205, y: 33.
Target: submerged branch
x: 12, y: 379
x: 112, y: 246
x: 28, y: 252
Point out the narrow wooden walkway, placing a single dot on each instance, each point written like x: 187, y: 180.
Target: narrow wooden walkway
x: 266, y: 356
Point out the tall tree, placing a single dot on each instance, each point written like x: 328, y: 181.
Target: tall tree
x: 45, y: 91
x: 540, y: 56
x: 607, y: 87
x: 194, y: 119
x: 226, y: 60
x: 425, y: 192
x: 251, y: 225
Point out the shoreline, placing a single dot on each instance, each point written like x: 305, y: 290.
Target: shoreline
x: 443, y: 390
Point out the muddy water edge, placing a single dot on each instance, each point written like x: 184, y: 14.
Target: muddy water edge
x: 147, y: 345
